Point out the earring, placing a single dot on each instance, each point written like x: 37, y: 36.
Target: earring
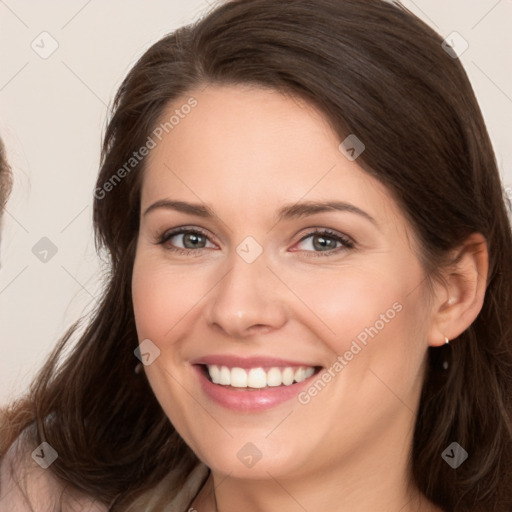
x: 445, y: 362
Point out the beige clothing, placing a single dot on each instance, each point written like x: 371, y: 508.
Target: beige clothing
x: 162, y: 500
x: 44, y: 491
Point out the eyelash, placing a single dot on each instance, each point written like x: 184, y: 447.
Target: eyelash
x: 347, y: 243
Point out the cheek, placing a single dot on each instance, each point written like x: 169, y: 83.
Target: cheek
x: 376, y: 351
x: 159, y: 297
x: 347, y: 301
x: 373, y: 317
x: 165, y: 294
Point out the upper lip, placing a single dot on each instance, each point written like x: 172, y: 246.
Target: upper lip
x: 233, y: 361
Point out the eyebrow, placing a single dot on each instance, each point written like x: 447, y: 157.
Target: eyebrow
x: 290, y: 211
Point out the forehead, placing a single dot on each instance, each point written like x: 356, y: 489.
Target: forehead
x: 246, y: 149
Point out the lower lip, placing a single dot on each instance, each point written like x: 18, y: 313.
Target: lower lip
x: 249, y: 399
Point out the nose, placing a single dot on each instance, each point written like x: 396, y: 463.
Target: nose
x: 248, y: 300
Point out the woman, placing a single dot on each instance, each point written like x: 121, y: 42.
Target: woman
x: 308, y: 307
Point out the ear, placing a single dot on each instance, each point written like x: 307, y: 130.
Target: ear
x: 459, y: 298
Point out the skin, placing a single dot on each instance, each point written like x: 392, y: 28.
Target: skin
x: 245, y: 152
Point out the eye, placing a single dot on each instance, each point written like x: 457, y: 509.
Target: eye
x: 187, y: 241
x: 324, y: 242
x: 191, y: 240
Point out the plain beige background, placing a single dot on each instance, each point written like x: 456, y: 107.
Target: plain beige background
x: 53, y: 111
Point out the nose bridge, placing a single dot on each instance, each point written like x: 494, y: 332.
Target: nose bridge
x: 247, y: 296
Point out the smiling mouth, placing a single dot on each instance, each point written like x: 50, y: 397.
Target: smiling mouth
x: 257, y: 378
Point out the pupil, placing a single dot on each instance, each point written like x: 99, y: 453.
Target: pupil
x: 192, y: 237
x: 324, y: 242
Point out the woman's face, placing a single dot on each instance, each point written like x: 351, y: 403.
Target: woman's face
x: 249, y: 284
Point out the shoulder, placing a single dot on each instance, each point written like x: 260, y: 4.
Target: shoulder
x: 25, y: 486
x: 168, y: 495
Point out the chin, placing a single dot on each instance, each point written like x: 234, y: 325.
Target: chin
x: 260, y: 459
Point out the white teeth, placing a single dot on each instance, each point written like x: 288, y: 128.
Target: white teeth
x: 299, y: 374
x: 215, y: 374
x: 309, y: 372
x: 238, y: 378
x: 288, y: 375
x: 274, y: 377
x: 225, y: 376
x: 257, y: 378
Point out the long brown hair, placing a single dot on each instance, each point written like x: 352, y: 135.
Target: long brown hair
x: 5, y: 178
x: 376, y: 71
